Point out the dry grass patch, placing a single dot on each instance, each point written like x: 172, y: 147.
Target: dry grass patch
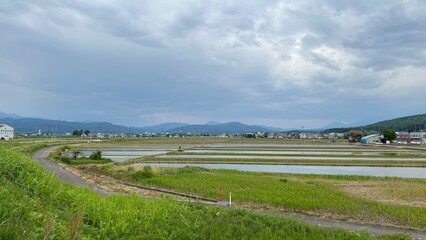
x: 394, y: 192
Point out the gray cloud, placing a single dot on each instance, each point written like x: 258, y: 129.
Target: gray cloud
x: 278, y: 62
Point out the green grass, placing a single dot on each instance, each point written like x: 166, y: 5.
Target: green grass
x: 37, y: 205
x: 254, y: 160
x: 313, y: 194
x: 58, y: 155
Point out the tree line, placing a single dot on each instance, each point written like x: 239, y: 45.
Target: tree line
x: 80, y: 132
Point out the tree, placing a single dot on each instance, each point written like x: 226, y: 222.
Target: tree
x: 77, y: 132
x: 389, y: 134
x: 86, y: 132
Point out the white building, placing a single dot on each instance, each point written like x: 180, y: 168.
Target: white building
x: 6, y: 132
x: 418, y: 137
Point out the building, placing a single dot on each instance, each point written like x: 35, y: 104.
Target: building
x: 6, y: 132
x: 356, y: 137
x: 402, y: 137
x: 374, y: 138
x: 418, y: 137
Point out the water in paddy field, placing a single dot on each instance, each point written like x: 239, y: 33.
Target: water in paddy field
x: 279, y: 152
x: 120, y: 154
x: 403, y: 172
x: 289, y: 152
x: 307, y: 157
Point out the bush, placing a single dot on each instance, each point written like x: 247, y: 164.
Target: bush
x: 146, y: 173
x: 64, y: 159
x: 96, y: 155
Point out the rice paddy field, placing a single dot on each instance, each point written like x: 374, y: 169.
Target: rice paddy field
x: 35, y: 204
x: 363, y: 196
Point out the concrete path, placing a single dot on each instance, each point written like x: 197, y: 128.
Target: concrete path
x: 41, y: 155
x: 351, y: 226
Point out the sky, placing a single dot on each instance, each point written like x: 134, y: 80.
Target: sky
x: 280, y: 63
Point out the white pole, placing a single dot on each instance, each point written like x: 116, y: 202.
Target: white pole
x: 230, y: 199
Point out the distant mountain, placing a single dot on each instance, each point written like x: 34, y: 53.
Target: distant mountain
x: 231, y: 127
x: 161, y: 128
x: 336, y: 125
x: 212, y: 123
x: 7, y: 115
x: 274, y: 129
x: 409, y: 123
x: 33, y: 125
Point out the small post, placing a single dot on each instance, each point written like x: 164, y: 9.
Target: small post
x: 230, y: 198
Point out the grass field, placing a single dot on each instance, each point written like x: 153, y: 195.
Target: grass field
x: 37, y: 205
x: 391, y: 201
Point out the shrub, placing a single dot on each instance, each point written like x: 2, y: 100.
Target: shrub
x: 96, y: 155
x: 146, y: 173
x: 284, y: 180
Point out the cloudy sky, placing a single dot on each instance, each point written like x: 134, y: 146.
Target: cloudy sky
x: 280, y: 63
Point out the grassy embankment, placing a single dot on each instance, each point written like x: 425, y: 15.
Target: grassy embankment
x: 390, y: 201
x: 37, y: 205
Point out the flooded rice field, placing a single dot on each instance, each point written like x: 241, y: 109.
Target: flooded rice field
x: 193, y: 155
x: 402, y: 172
x: 120, y: 154
x: 306, y: 157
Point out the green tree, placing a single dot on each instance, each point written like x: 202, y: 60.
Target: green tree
x: 77, y: 132
x: 86, y: 132
x: 389, y: 134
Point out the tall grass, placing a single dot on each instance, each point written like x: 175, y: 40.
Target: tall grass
x: 37, y: 205
x: 312, y: 194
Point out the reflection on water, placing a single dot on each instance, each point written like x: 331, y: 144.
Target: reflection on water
x: 278, y: 152
x: 122, y: 154
x: 307, y: 157
x: 331, y: 170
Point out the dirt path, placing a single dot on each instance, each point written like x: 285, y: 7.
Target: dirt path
x: 99, y: 184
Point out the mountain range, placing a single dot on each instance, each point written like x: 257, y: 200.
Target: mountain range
x: 34, y: 125
x: 406, y: 124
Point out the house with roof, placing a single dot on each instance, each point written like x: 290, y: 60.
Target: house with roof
x: 374, y: 138
x: 418, y: 137
x: 6, y: 132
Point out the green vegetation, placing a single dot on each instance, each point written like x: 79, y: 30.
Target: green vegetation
x: 389, y: 134
x: 96, y: 155
x: 80, y: 132
x: 254, y: 160
x: 314, y: 194
x: 37, y: 205
x: 409, y: 124
x: 70, y: 155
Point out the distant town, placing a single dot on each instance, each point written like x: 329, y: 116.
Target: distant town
x: 353, y: 136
